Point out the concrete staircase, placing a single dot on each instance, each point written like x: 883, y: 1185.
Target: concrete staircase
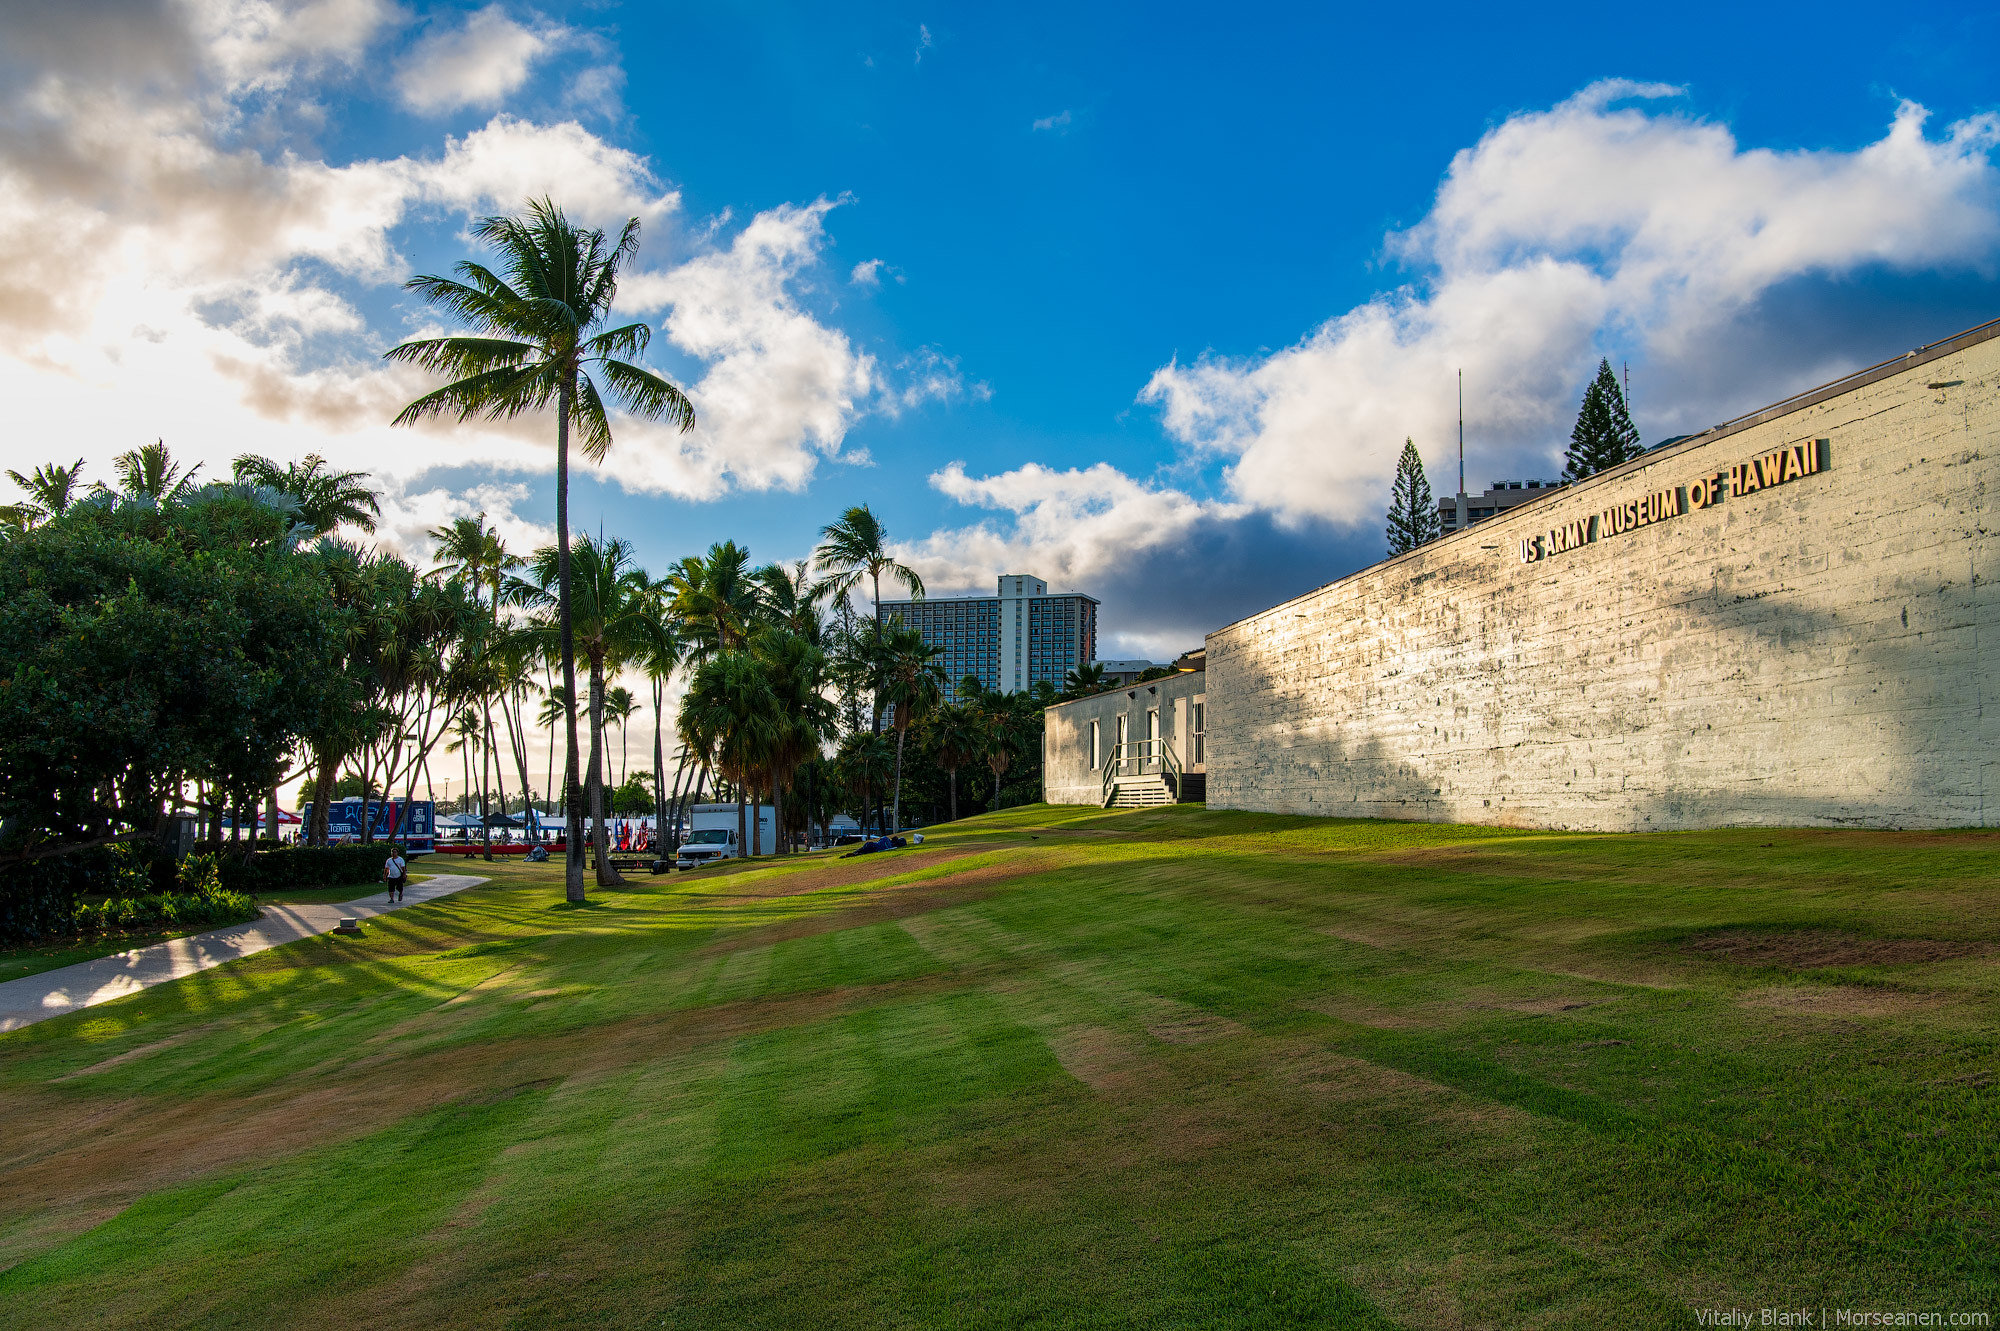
x: 1140, y: 792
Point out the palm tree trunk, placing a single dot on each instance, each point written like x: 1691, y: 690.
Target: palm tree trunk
x: 896, y: 818
x: 742, y: 830
x: 659, y: 766
x: 777, y: 817
x: 499, y: 779
x: 996, y: 789
x: 485, y: 785
x: 573, y: 801
x: 517, y: 739
x: 953, y: 774
x: 600, y: 840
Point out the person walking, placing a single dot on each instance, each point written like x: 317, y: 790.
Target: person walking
x: 395, y: 872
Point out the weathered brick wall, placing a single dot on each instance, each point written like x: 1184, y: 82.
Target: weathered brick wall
x: 1067, y: 776
x: 1810, y: 653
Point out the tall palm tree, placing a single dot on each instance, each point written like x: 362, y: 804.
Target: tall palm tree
x: 150, y: 472
x: 326, y: 498
x: 556, y: 707
x: 857, y: 547
x: 854, y: 547
x: 608, y: 598
x: 912, y: 683
x: 51, y: 490
x: 539, y: 340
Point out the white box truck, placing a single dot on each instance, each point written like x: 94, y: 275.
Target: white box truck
x: 712, y: 834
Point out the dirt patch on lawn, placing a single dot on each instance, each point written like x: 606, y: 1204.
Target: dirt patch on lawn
x: 1815, y: 949
x: 1845, y: 1000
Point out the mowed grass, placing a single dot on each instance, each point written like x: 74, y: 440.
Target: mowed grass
x: 1057, y: 1067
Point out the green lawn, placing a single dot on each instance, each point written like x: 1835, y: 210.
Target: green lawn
x: 1055, y: 1068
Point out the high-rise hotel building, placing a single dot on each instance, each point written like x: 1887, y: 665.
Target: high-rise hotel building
x: 1011, y: 640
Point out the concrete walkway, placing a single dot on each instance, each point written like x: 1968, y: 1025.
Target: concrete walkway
x: 34, y: 998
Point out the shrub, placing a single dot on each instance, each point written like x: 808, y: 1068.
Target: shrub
x: 200, y: 875
x: 303, y: 866
x: 164, y: 910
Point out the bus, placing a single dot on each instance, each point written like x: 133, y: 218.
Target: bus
x: 412, y: 822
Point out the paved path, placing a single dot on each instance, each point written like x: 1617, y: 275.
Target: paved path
x: 34, y: 998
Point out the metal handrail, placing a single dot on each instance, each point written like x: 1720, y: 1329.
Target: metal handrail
x: 1138, y: 753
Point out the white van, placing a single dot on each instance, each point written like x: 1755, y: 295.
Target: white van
x: 712, y: 834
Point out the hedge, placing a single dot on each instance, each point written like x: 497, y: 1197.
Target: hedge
x: 43, y: 899
x: 164, y: 910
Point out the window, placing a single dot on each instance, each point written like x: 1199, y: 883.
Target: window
x: 1120, y: 733
x: 1096, y: 758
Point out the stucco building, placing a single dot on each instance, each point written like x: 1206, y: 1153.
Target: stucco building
x: 1785, y: 619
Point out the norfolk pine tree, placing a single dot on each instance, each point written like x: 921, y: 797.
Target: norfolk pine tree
x: 1603, y: 436
x: 1413, y: 515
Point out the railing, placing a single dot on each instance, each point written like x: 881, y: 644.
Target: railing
x: 1141, y: 757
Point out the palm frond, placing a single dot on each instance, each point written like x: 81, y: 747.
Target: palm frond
x: 496, y: 395
x: 593, y: 427
x: 460, y: 355
x: 646, y: 395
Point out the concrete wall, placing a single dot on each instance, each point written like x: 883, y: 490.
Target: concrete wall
x: 1814, y: 652
x: 1067, y: 774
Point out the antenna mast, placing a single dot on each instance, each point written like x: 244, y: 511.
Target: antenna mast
x: 1461, y: 434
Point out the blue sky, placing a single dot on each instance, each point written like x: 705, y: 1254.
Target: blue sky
x: 1169, y: 285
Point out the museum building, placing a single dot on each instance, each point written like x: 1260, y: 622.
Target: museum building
x: 1782, y: 620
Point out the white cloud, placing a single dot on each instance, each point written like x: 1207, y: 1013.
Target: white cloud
x: 867, y: 273
x: 1561, y: 234
x: 923, y: 42
x: 408, y: 519
x: 477, y: 64
x: 1057, y: 121
x: 780, y: 389
x: 258, y: 45
x: 1072, y: 527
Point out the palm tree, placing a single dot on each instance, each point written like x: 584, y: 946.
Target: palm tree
x: 729, y: 716
x: 556, y: 706
x: 956, y: 740
x: 535, y: 347
x: 618, y: 707
x: 912, y: 682
x: 716, y: 598
x: 1001, y: 726
x: 150, y: 472
x: 326, y: 498
x: 791, y: 600
x: 856, y: 547
x: 51, y: 490
x: 608, y: 596
x: 1084, y: 681
x: 796, y: 672
x: 661, y: 656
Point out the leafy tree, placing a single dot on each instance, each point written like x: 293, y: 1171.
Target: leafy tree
x: 1604, y: 435
x: 142, y: 650
x: 1413, y: 515
x: 856, y: 547
x: 540, y: 342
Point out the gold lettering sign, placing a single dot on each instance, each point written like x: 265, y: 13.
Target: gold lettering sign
x: 1778, y: 467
